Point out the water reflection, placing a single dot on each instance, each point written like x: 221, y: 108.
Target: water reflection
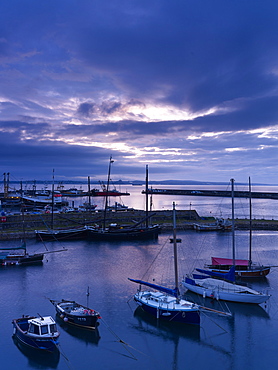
x: 38, y: 359
x: 84, y: 335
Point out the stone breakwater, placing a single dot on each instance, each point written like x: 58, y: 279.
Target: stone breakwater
x: 12, y: 227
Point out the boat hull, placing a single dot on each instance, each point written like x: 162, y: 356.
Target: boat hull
x: 123, y: 234
x: 70, y: 234
x: 242, y: 272
x: 77, y: 315
x: 186, y: 313
x: 229, y: 296
x: 24, y: 260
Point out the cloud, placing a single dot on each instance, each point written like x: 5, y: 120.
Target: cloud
x: 188, y: 86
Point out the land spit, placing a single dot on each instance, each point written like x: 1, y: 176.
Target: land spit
x: 18, y: 226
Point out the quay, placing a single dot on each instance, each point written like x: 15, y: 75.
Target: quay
x: 213, y: 193
x: 12, y: 227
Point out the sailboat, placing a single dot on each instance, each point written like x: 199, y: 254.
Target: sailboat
x: 221, y: 286
x: 115, y: 232
x: 243, y: 268
x: 74, y: 233
x: 165, y: 303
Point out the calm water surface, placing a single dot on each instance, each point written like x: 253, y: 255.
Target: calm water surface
x: 248, y: 340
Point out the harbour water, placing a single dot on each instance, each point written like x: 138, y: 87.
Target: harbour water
x: 127, y: 338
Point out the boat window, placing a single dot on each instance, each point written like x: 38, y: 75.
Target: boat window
x: 44, y: 329
x: 53, y: 328
x: 34, y: 329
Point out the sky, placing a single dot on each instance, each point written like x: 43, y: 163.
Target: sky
x: 187, y: 87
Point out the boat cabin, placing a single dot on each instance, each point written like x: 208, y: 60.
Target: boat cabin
x: 42, y: 326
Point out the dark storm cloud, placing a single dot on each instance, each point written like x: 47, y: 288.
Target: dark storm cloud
x: 106, y: 108
x: 81, y: 79
x: 204, y: 54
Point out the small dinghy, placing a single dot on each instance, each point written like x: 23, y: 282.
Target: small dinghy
x: 76, y: 314
x: 37, y: 332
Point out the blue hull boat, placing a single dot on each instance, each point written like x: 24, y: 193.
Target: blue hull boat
x: 37, y: 332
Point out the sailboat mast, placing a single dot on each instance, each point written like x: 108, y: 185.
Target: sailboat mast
x: 250, y: 226
x: 147, y: 196
x: 107, y: 190
x: 175, y: 249
x: 89, y: 193
x: 233, y: 222
x: 52, y: 201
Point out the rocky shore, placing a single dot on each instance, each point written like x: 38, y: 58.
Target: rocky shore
x: 13, y: 225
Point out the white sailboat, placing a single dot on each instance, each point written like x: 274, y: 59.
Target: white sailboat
x: 220, y: 289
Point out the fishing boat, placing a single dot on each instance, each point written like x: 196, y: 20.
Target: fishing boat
x: 108, y: 193
x: 219, y: 225
x: 17, y: 256
x: 221, y: 286
x: 73, y: 313
x: 37, y: 332
x: 72, y: 192
x: 42, y: 199
x: 113, y: 232
x: 244, y: 268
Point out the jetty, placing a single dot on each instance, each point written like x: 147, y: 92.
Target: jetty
x: 213, y: 193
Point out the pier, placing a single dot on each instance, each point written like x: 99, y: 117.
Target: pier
x: 213, y: 193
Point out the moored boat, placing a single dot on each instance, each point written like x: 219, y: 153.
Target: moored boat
x: 37, y: 332
x: 9, y: 256
x: 166, y: 303
x: 73, y: 313
x: 114, y: 232
x: 224, y: 290
x: 219, y: 225
x: 62, y: 234
x: 243, y: 268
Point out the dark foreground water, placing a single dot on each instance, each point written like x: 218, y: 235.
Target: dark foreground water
x: 126, y: 338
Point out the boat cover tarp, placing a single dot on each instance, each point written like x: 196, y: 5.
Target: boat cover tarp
x: 173, y: 292
x: 228, y: 261
x: 230, y: 275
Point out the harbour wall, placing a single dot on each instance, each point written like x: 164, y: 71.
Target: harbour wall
x: 16, y: 226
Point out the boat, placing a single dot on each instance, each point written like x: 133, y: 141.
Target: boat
x: 73, y: 313
x: 138, y: 231
x: 36, y: 200
x: 72, y: 192
x: 220, y: 289
x: 11, y: 256
x: 37, y: 332
x: 221, y: 286
x: 109, y: 193
x: 87, y: 207
x: 244, y: 268
x: 118, y: 207
x: 75, y: 233
x: 219, y: 225
x: 166, y: 303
